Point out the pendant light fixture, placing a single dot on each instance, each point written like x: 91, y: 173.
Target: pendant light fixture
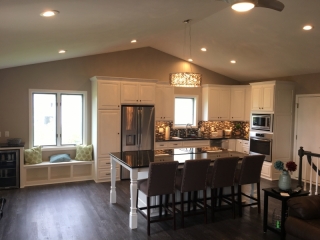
x: 186, y: 79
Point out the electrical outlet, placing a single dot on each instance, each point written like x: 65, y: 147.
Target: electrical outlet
x: 6, y: 133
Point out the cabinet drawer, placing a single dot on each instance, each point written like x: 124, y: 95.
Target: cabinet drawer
x: 158, y: 145
x: 104, y: 163
x: 245, y: 149
x: 174, y: 144
x: 105, y: 174
x: 198, y: 143
x: 245, y: 143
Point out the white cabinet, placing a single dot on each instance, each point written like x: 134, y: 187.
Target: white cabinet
x: 232, y: 144
x: 164, y: 107
x: 237, y: 108
x: 108, y: 94
x: 242, y: 146
x: 215, y: 102
x: 247, y: 108
x: 262, y: 97
x: 137, y: 93
x: 181, y: 144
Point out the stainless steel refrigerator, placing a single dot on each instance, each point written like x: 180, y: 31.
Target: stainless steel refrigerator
x: 137, y: 131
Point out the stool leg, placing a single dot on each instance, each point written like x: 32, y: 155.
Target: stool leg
x: 239, y: 200
x: 220, y: 196
x: 205, y: 205
x: 148, y: 212
x: 174, y: 210
x: 160, y: 206
x: 232, y: 201
x: 166, y: 203
x: 182, y: 211
x: 189, y: 200
x: 195, y: 199
x: 258, y: 196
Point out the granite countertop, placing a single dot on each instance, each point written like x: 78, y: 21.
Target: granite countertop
x: 141, y: 159
x: 203, y: 138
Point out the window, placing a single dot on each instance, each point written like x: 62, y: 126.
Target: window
x: 57, y: 118
x: 185, y: 111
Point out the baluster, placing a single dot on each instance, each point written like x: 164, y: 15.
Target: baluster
x: 317, y: 177
x: 305, y: 176
x: 310, y: 183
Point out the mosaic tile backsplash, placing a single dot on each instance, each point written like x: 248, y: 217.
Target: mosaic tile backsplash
x: 206, y: 127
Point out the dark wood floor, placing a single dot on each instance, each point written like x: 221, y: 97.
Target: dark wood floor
x: 82, y: 211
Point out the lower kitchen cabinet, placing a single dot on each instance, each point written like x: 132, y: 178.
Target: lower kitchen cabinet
x: 181, y: 144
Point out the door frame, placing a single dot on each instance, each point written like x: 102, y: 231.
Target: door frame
x: 295, y: 147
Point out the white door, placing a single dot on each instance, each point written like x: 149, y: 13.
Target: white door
x: 237, y: 104
x: 213, y: 104
x: 307, y: 132
x: 147, y: 93
x: 129, y: 92
x: 108, y: 95
x: 224, y: 104
x: 168, y: 103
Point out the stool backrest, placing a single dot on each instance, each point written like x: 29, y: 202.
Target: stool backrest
x: 194, y: 175
x: 250, y: 169
x: 223, y: 172
x: 161, y: 179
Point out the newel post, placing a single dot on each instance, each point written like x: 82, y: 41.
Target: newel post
x: 301, y: 154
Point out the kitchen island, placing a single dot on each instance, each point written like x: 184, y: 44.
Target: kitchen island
x: 137, y: 162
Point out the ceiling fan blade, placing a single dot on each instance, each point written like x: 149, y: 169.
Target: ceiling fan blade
x: 272, y: 4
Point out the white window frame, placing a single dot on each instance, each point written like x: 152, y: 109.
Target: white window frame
x: 84, y: 126
x: 195, y: 114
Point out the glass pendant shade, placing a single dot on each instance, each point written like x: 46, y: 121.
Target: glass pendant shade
x: 185, y: 79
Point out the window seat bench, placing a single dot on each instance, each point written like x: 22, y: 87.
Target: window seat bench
x: 49, y: 173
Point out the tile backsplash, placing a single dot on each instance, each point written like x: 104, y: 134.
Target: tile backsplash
x: 205, y: 126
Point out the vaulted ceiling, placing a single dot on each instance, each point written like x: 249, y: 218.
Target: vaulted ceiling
x: 265, y: 43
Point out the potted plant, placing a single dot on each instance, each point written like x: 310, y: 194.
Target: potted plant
x: 237, y: 127
x: 285, y: 178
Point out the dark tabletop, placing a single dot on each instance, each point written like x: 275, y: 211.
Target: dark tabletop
x: 140, y: 159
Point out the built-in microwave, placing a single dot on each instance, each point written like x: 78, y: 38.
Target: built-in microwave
x: 262, y: 122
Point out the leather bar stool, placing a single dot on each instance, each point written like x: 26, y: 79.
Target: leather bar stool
x: 249, y: 173
x: 220, y: 175
x: 193, y: 178
x: 160, y: 181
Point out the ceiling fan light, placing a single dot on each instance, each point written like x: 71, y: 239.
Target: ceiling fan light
x: 242, y: 6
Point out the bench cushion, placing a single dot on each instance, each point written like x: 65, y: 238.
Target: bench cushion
x: 60, y: 158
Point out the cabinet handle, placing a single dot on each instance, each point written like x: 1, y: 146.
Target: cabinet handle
x: 137, y: 100
x: 140, y: 100
x: 118, y: 106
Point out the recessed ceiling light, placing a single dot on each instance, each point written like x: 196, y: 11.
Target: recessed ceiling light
x: 50, y: 13
x: 233, y: 61
x: 242, y: 6
x: 203, y: 49
x: 134, y: 41
x: 62, y: 51
x: 307, y: 27
x: 190, y: 60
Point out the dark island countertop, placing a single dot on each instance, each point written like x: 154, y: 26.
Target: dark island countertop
x: 140, y: 159
x: 203, y: 138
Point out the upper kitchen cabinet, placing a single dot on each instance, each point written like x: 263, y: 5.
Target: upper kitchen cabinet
x: 215, y: 102
x: 262, y: 97
x: 247, y: 108
x: 238, y: 99
x: 106, y: 93
x: 134, y: 92
x: 164, y: 107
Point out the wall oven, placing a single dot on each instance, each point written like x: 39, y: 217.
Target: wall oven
x: 262, y: 122
x: 261, y: 143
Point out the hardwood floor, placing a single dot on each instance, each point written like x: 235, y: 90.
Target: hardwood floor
x: 82, y: 211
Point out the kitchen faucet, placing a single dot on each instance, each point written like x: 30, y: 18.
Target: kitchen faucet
x: 188, y: 124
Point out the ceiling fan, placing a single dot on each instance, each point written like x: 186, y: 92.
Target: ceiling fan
x: 246, y: 5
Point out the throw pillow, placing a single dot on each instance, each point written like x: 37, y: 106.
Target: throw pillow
x: 33, y: 155
x: 60, y: 158
x: 84, y: 153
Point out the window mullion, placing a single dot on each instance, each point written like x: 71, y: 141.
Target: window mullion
x: 58, y: 119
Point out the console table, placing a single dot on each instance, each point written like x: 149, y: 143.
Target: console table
x: 268, y: 192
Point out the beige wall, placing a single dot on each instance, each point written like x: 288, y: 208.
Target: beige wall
x: 74, y: 74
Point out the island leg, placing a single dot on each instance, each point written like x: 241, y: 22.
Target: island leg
x: 113, y: 193
x: 133, y: 221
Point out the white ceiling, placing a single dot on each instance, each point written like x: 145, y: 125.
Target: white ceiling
x: 266, y: 43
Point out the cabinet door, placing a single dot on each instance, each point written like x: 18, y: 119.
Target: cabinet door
x: 237, y: 104
x: 108, y: 95
x: 232, y: 144
x: 147, y: 93
x: 239, y: 146
x: 129, y: 92
x: 267, y: 102
x: 255, y: 98
x: 168, y: 103
x: 247, y: 110
x: 213, y: 104
x: 159, y: 106
x: 224, y: 104
x: 108, y: 132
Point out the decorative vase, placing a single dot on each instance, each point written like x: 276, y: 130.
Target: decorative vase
x: 284, y: 181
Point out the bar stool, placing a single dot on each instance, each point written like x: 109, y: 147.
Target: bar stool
x: 249, y: 173
x: 222, y: 174
x: 193, y: 178
x: 160, y: 181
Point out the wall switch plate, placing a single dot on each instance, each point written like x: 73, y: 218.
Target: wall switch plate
x: 6, y: 133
